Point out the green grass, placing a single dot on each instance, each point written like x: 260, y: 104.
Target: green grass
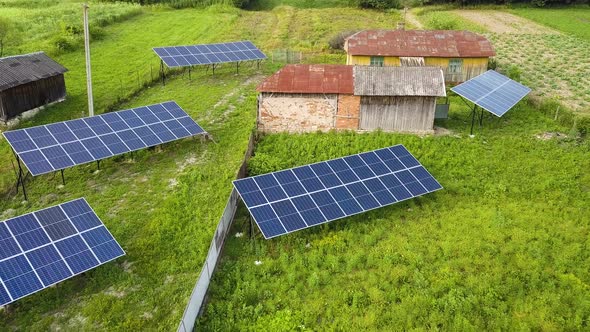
x: 41, y: 25
x: 574, y: 21
x: 436, y: 19
x: 501, y: 247
x: 162, y: 205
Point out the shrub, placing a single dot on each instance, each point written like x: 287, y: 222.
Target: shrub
x: 513, y: 72
x: 379, y: 4
x: 440, y: 21
x: 337, y: 42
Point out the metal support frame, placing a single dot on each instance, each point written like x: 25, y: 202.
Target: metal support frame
x: 237, y: 67
x: 163, y: 72
x: 189, y: 73
x: 98, y: 165
x: 63, y: 179
x: 20, y: 181
x: 213, y: 66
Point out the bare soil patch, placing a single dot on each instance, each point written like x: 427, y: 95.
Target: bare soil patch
x: 501, y: 22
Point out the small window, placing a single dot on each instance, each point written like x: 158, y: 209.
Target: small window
x: 455, y: 66
x: 377, y: 61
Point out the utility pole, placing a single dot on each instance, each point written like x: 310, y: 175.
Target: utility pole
x: 88, y: 70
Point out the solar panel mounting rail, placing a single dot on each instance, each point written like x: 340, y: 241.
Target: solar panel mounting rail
x: 293, y: 199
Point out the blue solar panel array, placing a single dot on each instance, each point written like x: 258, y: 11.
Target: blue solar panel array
x: 492, y: 91
x: 206, y: 54
x: 293, y: 199
x: 42, y: 248
x: 61, y: 145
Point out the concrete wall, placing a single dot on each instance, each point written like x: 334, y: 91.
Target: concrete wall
x: 280, y: 112
x: 403, y: 114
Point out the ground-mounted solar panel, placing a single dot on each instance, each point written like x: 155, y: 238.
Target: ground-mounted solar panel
x: 492, y: 91
x: 290, y: 200
x: 208, y: 54
x: 57, y: 146
x: 42, y: 248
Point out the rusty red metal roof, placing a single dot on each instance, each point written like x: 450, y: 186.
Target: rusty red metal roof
x: 310, y: 79
x: 419, y: 43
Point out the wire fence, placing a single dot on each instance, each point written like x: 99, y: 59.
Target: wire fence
x: 197, y: 300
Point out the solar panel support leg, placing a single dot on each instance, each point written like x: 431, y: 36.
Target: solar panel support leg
x: 481, y: 118
x: 63, y: 179
x: 237, y: 67
x: 473, y: 118
x: 98, y: 165
x: 162, y: 72
x: 21, y: 178
x: 213, y: 69
x: 189, y: 73
x: 251, y: 231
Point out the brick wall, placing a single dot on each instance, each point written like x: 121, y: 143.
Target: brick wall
x: 347, y: 116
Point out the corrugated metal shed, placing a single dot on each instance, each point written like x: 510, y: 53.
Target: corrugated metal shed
x: 399, y: 81
x: 419, y: 43
x: 22, y: 69
x: 310, y: 79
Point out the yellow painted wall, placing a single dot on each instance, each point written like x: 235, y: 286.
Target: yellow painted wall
x: 365, y: 60
x: 471, y: 66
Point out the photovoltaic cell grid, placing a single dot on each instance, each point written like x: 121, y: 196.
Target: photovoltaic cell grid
x: 42, y: 248
x: 492, y: 91
x: 297, y: 198
x: 60, y: 145
x: 206, y: 54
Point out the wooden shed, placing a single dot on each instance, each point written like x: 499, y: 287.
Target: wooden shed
x: 306, y: 98
x: 461, y: 54
x: 29, y: 81
x: 398, y: 98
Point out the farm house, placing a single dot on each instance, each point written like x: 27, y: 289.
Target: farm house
x: 307, y: 98
x: 461, y: 54
x: 29, y: 81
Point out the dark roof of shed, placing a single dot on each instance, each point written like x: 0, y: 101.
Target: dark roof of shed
x: 310, y: 79
x: 399, y: 81
x: 419, y: 43
x: 21, y: 69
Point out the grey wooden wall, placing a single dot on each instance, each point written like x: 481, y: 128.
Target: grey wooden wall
x: 406, y: 114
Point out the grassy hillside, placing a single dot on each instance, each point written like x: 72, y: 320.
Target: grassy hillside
x: 437, y: 262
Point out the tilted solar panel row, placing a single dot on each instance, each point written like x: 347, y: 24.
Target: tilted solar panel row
x: 57, y: 146
x: 205, y: 54
x: 305, y: 196
x: 42, y: 248
x: 492, y: 91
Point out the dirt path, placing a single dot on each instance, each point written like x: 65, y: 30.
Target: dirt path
x: 501, y: 22
x: 413, y: 21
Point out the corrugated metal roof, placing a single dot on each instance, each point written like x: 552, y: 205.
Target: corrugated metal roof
x: 424, y: 43
x: 22, y: 69
x: 310, y: 79
x: 399, y: 81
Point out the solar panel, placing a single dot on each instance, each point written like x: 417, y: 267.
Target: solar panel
x: 182, y: 56
x: 301, y: 197
x: 42, y: 248
x: 492, y: 91
x: 61, y: 145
